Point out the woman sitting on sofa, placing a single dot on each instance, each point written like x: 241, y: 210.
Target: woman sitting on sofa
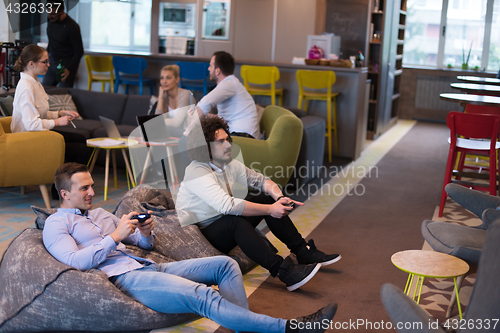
x: 31, y: 103
x: 172, y: 100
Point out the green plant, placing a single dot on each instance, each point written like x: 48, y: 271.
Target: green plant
x: 450, y: 66
x: 468, y: 56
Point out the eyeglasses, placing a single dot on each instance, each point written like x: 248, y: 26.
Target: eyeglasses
x: 45, y: 62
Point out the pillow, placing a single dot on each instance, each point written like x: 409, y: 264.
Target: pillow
x: 6, y: 105
x: 62, y: 102
x: 41, y: 215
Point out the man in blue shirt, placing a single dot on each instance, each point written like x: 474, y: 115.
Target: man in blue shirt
x: 85, y: 239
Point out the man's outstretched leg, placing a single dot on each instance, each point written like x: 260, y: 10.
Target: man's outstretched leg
x: 157, y: 287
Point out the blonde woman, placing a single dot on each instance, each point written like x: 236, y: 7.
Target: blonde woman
x: 31, y: 103
x: 172, y: 100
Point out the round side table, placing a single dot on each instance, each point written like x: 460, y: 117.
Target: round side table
x: 432, y: 264
x: 108, y: 145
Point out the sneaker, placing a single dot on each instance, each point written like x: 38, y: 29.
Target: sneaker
x: 317, y: 322
x: 295, y: 276
x: 310, y: 254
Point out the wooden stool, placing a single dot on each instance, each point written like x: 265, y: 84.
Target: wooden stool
x: 104, y: 143
x: 424, y: 264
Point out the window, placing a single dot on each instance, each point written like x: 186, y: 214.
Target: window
x: 442, y: 33
x: 422, y: 32
x: 120, y: 25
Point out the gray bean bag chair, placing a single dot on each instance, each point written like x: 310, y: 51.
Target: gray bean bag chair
x: 40, y: 294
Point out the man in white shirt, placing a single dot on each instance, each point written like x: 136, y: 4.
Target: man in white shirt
x: 214, y: 193
x: 233, y: 101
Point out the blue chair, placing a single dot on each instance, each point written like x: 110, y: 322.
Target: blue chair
x: 194, y: 76
x: 126, y: 70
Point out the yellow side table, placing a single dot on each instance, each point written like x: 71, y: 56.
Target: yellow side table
x: 424, y: 264
x: 111, y: 144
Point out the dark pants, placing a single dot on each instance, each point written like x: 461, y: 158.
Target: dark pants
x: 50, y: 78
x: 76, y: 147
x: 230, y: 230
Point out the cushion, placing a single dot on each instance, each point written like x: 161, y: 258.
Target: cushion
x: 6, y: 105
x: 41, y: 215
x: 136, y: 106
x: 62, y: 102
x: 92, y: 104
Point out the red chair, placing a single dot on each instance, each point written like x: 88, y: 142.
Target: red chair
x: 472, y: 127
x: 482, y: 109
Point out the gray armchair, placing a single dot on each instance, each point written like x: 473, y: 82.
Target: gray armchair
x: 463, y: 242
x: 484, y: 304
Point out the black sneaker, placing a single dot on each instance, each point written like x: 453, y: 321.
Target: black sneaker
x: 310, y: 254
x: 317, y: 322
x: 295, y: 276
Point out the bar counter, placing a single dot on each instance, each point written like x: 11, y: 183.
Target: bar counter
x: 352, y: 101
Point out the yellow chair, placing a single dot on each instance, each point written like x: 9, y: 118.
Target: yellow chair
x: 320, y: 80
x: 29, y: 158
x: 100, y: 65
x: 262, y: 75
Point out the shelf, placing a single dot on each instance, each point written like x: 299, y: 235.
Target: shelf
x: 395, y: 96
x: 399, y: 56
x: 398, y: 72
x: 402, y: 27
x: 403, y: 12
x: 401, y: 41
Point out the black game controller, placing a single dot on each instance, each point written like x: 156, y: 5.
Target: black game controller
x: 141, y: 217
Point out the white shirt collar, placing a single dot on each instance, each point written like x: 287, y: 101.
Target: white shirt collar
x: 216, y: 168
x: 29, y: 77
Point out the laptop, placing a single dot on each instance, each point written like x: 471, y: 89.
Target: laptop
x: 157, y: 131
x: 110, y: 127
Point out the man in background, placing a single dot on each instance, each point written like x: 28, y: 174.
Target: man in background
x: 231, y: 98
x: 65, y: 45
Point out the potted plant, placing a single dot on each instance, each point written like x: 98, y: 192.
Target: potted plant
x: 465, y: 63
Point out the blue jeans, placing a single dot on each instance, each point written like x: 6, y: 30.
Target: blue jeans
x: 184, y: 287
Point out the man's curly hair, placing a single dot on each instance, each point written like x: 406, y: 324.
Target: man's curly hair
x: 209, y: 125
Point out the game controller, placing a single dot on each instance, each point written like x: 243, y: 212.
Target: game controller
x: 141, y: 217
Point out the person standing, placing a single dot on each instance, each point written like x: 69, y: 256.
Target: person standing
x: 65, y: 45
